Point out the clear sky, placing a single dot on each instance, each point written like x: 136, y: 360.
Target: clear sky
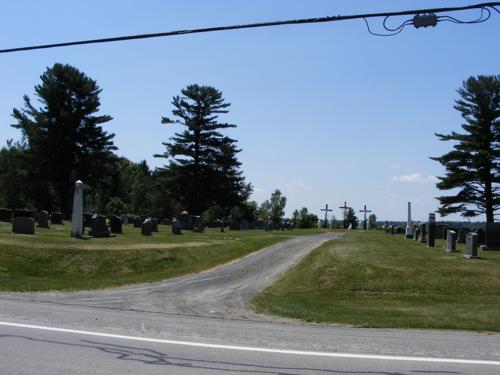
x: 325, y: 112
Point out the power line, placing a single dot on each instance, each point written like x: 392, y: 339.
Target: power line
x: 487, y: 6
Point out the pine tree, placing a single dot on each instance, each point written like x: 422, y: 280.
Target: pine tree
x: 473, y: 165
x: 203, y: 169
x: 65, y: 140
x: 351, y: 218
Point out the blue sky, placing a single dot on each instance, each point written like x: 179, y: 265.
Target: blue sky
x: 327, y: 112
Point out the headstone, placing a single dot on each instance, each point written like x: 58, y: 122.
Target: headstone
x: 471, y: 245
x: 431, y: 230
x: 176, y: 227
x: 451, y: 241
x: 198, y: 226
x: 87, y: 219
x: 462, y: 235
x: 154, y: 224
x: 5, y: 215
x: 492, y: 237
x: 23, y: 225
x: 186, y: 220
x: 409, y: 228
x: 422, y: 235
x: 99, y: 227
x: 43, y: 219
x: 480, y: 236
x: 77, y: 213
x: 415, y: 232
x: 56, y: 217
x: 115, y: 224
x: 146, y: 227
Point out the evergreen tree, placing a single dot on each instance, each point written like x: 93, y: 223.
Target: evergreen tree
x: 64, y: 137
x: 473, y: 164
x: 351, y: 218
x: 204, y: 169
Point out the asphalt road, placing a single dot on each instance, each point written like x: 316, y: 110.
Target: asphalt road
x: 117, y: 332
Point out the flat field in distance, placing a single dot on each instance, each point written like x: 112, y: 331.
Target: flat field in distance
x: 51, y: 259
x: 369, y: 279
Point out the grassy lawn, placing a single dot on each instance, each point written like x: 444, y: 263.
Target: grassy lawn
x: 369, y: 279
x: 52, y: 260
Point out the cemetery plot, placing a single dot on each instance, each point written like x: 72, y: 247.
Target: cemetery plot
x: 370, y: 279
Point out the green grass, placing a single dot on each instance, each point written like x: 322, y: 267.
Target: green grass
x: 369, y: 279
x: 52, y: 260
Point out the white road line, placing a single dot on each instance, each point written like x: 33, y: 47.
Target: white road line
x: 263, y: 350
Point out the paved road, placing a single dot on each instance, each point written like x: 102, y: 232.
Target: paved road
x: 220, y: 292
x: 136, y: 330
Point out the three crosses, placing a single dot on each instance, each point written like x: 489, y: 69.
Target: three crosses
x: 345, y: 208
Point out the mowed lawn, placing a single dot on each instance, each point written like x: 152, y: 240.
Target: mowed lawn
x: 52, y: 260
x: 369, y: 279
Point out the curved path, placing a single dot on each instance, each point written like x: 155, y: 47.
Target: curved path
x: 220, y: 292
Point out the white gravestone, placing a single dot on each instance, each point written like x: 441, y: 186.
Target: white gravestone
x: 409, y: 228
x: 77, y: 216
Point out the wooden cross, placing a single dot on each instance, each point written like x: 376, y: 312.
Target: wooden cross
x: 345, y: 208
x: 326, y: 209
x: 365, y: 211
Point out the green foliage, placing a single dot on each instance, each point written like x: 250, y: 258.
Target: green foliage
x: 203, y: 170
x: 64, y: 138
x: 351, y: 218
x: 304, y: 219
x: 116, y: 206
x: 473, y: 166
x: 277, y: 205
x: 372, y: 219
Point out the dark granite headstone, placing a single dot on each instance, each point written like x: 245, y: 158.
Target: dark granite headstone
x: 462, y: 235
x: 99, y: 227
x: 451, y: 241
x: 154, y: 224
x: 422, y: 235
x: 146, y: 227
x: 492, y: 237
x: 471, y: 245
x: 176, y: 227
x: 186, y: 220
x: 87, y: 219
x: 23, y: 225
x: 431, y: 230
x: 115, y: 224
x: 43, y: 219
x: 56, y: 218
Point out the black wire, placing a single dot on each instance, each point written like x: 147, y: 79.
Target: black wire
x: 384, y: 24
x: 402, y: 26
x: 482, y: 18
x: 261, y: 24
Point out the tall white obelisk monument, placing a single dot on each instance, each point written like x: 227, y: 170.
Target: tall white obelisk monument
x: 77, y: 216
x: 409, y: 228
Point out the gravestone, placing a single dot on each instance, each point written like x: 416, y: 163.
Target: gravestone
x: 176, y: 227
x: 99, y: 227
x: 154, y: 224
x: 431, y: 230
x: 5, y: 215
x: 416, y: 233
x: 146, y: 227
x: 451, y: 241
x: 43, y: 219
x: 462, y: 235
x: 471, y: 245
x: 56, y: 217
x: 87, y: 219
x: 186, y: 220
x: 23, y: 225
x: 492, y: 237
x: 77, y: 213
x: 115, y: 224
x: 422, y: 235
x: 198, y: 226
x: 480, y: 236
